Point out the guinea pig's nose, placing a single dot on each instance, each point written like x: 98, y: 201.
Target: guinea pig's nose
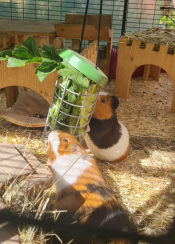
x: 114, y: 102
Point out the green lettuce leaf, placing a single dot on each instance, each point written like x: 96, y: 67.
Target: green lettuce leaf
x: 78, y: 78
x: 5, y: 54
x: 46, y: 68
x: 31, y: 45
x: 50, y: 53
x: 14, y: 62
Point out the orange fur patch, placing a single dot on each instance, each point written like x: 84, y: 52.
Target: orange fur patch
x: 103, y: 110
x: 70, y: 147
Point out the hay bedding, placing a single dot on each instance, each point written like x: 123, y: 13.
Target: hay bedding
x: 144, y: 183
x: 154, y: 35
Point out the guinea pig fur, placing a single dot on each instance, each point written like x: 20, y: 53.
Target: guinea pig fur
x: 108, y: 139
x: 81, y: 191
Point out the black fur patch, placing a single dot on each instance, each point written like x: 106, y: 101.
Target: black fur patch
x: 99, y: 190
x: 114, y: 102
x: 105, y: 133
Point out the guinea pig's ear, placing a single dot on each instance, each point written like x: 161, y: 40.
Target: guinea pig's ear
x: 114, y: 102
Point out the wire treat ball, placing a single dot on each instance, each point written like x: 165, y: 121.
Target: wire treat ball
x: 71, y: 111
x: 76, y: 91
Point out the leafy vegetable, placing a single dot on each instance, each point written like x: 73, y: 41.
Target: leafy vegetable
x: 5, y: 54
x: 78, y: 78
x: 50, y: 53
x: 71, y: 110
x: 32, y: 47
x: 75, y: 82
x: 28, y: 52
x: 46, y: 68
x: 13, y: 62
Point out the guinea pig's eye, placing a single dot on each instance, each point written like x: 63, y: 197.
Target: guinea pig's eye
x: 65, y: 139
x: 103, y: 100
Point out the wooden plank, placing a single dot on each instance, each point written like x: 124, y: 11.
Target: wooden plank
x: 13, y: 159
x: 11, y: 93
x: 70, y: 31
x: 109, y: 46
x: 57, y: 42
x: 12, y: 164
x: 103, y: 65
x: 36, y: 27
x: 94, y: 48
x: 22, y: 33
x: 146, y: 72
x: 41, y: 178
x: 90, y: 19
x: 90, y: 41
x: 3, y: 44
x: 76, y: 43
x: 25, y: 37
x: 84, y: 53
x: 42, y: 40
x: 155, y: 72
x: 14, y: 39
x: 33, y: 161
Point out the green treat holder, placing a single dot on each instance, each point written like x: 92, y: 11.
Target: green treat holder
x: 83, y: 65
x: 73, y: 117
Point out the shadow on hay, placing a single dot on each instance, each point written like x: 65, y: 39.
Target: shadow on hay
x: 156, y: 214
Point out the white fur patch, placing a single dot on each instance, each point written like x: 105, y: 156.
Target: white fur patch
x: 103, y: 93
x: 62, y: 164
x: 54, y: 141
x: 112, y: 153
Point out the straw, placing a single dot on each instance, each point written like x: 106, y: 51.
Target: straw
x: 144, y: 183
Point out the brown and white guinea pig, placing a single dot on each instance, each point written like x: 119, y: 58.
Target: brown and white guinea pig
x: 81, y: 191
x: 107, y: 139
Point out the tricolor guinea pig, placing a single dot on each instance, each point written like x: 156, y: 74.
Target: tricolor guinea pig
x: 107, y: 139
x: 81, y: 191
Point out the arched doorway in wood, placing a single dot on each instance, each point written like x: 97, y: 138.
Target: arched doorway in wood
x: 131, y: 57
x: 26, y: 77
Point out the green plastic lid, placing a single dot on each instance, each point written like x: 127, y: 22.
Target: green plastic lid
x: 83, y: 65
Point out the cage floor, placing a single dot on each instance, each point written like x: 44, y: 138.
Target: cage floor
x: 144, y: 183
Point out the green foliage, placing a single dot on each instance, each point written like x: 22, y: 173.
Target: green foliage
x: 5, y: 54
x: 168, y: 21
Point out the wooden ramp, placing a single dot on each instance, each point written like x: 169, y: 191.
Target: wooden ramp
x: 16, y: 162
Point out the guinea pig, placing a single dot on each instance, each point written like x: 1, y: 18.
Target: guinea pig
x: 81, y: 190
x: 106, y: 137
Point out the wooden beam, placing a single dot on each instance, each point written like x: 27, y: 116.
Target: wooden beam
x: 70, y: 31
x: 90, y: 19
x: 155, y: 72
x: 57, y: 42
x: 22, y: 33
x: 14, y: 39
x: 76, y: 43
x: 146, y: 72
x: 25, y: 37
x: 90, y: 41
x: 42, y: 40
x: 3, y: 44
x: 11, y: 93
